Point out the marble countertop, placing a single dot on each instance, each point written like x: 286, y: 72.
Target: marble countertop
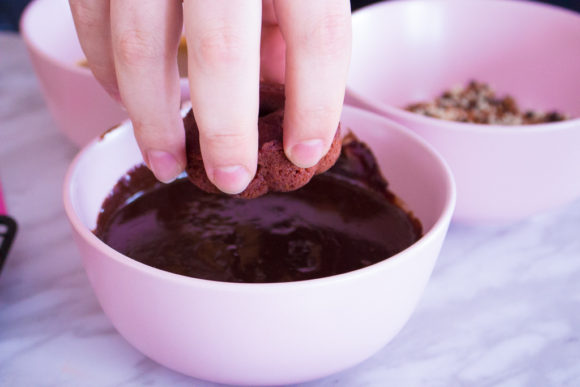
x: 502, y: 307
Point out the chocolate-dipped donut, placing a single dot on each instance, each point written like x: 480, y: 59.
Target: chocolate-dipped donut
x: 275, y: 172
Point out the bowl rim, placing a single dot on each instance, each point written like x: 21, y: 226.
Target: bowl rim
x: 525, y: 3
x: 440, y: 225
x: 361, y: 101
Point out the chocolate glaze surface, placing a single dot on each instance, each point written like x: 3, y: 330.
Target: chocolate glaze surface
x: 343, y: 220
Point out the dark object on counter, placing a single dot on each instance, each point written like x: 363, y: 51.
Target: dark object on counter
x: 275, y: 172
x: 8, y: 229
x: 477, y: 103
x: 342, y: 220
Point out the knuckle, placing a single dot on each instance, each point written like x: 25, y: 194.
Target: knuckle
x: 145, y: 130
x: 157, y: 136
x: 313, y: 122
x: 220, y: 46
x: 136, y: 46
x: 226, y: 140
x: 317, y: 116
x: 330, y: 35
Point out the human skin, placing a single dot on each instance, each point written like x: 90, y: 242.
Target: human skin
x: 131, y: 48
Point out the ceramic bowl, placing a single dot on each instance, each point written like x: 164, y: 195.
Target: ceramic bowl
x: 256, y: 334
x: 411, y: 51
x: 79, y: 105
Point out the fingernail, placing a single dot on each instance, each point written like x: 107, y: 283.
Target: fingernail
x: 306, y: 153
x: 164, y: 165
x: 231, y: 179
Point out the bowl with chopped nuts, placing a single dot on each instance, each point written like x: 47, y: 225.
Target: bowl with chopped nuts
x: 494, y: 86
x: 77, y: 102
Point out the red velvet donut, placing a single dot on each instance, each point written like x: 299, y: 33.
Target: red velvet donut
x: 275, y: 172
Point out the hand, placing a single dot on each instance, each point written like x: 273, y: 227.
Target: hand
x: 131, y: 48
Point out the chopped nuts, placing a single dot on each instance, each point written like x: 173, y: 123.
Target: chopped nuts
x: 477, y: 103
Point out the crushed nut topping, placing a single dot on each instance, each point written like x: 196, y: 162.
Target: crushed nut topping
x: 478, y: 103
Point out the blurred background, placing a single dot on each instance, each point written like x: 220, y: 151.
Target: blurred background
x: 10, y: 10
x: 570, y: 4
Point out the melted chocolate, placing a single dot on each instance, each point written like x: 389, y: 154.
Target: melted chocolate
x: 343, y: 220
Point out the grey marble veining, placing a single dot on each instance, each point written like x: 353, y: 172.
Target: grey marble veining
x: 502, y: 307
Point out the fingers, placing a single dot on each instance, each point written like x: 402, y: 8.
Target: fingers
x: 93, y: 27
x: 223, y: 39
x: 131, y: 46
x: 318, y: 40
x: 145, y: 39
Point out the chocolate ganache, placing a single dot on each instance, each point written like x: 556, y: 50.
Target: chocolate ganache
x: 343, y: 220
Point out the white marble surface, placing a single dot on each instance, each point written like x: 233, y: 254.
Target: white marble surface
x: 502, y: 307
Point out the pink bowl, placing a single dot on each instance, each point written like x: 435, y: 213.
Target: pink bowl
x: 77, y: 102
x: 410, y: 51
x: 263, y: 333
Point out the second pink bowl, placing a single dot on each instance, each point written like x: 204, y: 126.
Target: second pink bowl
x: 410, y: 51
x: 79, y: 105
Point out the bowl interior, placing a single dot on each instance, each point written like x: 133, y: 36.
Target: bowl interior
x: 58, y: 39
x: 416, y: 173
x: 410, y: 51
x: 49, y: 27
x: 97, y: 169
